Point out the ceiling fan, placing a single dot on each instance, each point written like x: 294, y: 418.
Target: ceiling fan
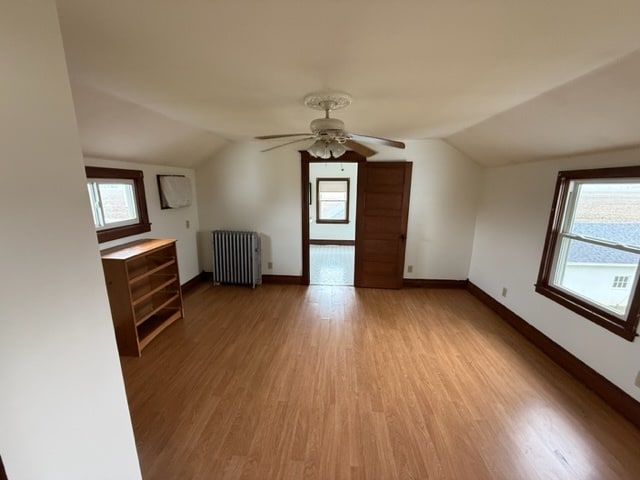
x: 331, y: 139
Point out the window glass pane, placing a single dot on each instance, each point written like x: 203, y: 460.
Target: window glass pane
x: 333, y: 196
x: 331, y: 210
x: 608, y: 211
x: 596, y: 273
x: 118, y: 204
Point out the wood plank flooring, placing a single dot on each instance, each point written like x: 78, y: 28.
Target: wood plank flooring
x: 290, y: 382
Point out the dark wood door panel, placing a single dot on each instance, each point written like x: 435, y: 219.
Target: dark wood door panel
x: 380, y: 268
x: 383, y: 201
x: 381, y: 228
x: 382, y: 225
x: 385, y: 176
x: 379, y: 246
x: 383, y: 213
x: 379, y: 257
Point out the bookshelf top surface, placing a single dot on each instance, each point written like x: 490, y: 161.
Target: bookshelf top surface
x: 133, y: 249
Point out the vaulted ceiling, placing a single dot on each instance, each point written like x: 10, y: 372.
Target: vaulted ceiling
x: 502, y: 80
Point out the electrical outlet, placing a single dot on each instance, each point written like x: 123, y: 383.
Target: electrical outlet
x: 269, y: 265
x: 410, y: 268
x: 504, y: 291
x: 638, y: 380
x: 187, y: 223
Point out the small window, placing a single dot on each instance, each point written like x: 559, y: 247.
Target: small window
x: 620, y: 281
x: 118, y: 202
x: 333, y: 200
x: 594, y: 236
x: 113, y: 203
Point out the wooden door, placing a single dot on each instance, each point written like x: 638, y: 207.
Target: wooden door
x: 381, y: 224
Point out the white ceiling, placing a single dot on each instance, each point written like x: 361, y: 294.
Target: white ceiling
x: 416, y: 69
x: 116, y: 129
x: 599, y: 111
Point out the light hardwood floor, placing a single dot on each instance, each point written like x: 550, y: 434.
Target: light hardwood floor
x: 337, y: 383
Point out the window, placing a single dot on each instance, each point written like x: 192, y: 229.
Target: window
x: 112, y: 203
x: 118, y: 202
x: 333, y: 200
x: 620, y: 281
x: 593, y: 236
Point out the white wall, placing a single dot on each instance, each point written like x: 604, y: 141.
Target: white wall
x: 241, y: 188
x: 510, y: 231
x: 63, y: 409
x: 169, y: 223
x: 333, y: 231
x: 245, y: 189
x: 445, y: 187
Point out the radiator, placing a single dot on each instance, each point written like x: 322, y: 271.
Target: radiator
x: 236, y: 258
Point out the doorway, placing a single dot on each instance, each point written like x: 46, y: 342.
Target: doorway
x: 332, y: 222
x: 329, y: 193
x: 382, y: 209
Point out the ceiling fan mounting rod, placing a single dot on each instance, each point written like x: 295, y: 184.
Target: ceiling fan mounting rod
x: 327, y: 105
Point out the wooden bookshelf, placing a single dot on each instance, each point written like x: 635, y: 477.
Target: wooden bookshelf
x: 144, y: 291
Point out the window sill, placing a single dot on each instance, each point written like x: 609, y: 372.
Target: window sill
x: 121, y: 232
x: 622, y: 328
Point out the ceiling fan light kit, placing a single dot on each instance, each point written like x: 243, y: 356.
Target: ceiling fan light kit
x: 331, y: 139
x: 325, y: 149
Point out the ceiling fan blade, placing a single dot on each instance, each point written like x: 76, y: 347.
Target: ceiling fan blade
x: 288, y: 143
x: 359, y: 148
x: 379, y: 140
x: 267, y: 137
